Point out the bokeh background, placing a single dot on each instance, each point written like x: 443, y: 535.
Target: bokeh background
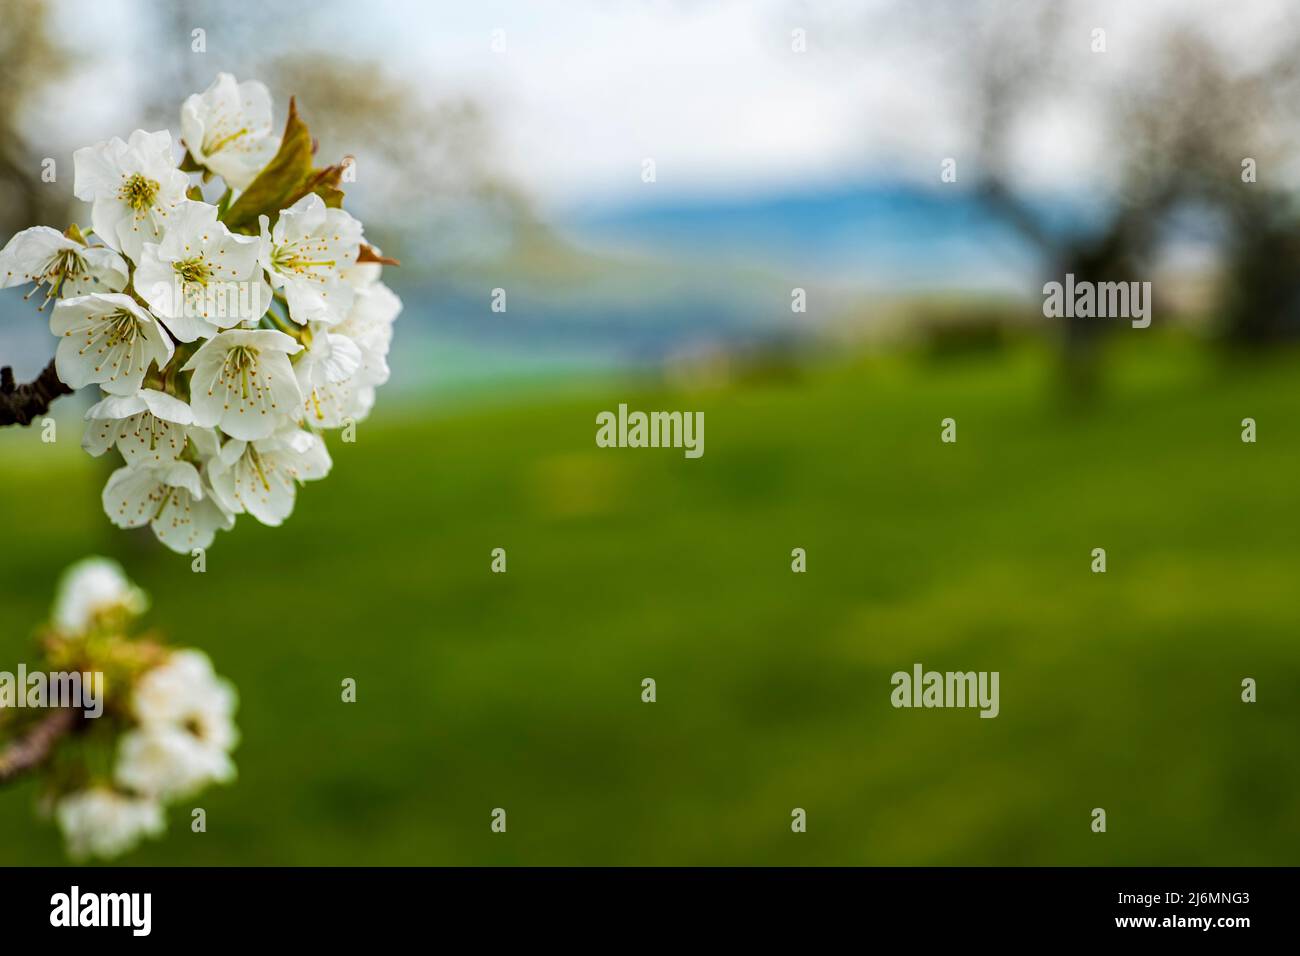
x: 502, y: 145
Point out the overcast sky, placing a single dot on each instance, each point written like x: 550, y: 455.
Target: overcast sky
x: 584, y: 90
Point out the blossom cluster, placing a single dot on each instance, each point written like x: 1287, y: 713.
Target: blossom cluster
x: 224, y: 336
x: 166, y: 730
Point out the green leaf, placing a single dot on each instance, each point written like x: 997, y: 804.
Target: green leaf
x: 287, y: 178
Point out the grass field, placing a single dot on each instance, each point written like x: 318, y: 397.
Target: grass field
x: 522, y: 691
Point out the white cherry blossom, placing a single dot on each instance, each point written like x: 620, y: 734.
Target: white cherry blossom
x: 327, y: 358
x: 206, y: 440
x: 307, y: 255
x: 243, y: 382
x: 185, y: 690
x: 174, y: 722
x: 359, y: 275
x: 370, y: 325
x: 107, y: 339
x: 101, y: 822
x: 91, y: 588
x: 134, y: 186
x: 186, y: 729
x: 227, y: 128
x: 170, y: 498
x: 66, y: 268
x: 331, y: 398
x: 202, y: 278
x: 218, y: 354
x: 169, y: 763
x: 333, y: 405
x: 261, y: 477
x: 148, y: 427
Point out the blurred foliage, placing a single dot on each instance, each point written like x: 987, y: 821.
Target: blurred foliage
x: 421, y: 159
x: 1175, y: 126
x: 522, y: 690
x: 30, y: 60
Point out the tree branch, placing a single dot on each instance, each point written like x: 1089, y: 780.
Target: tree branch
x: 32, y: 749
x: 20, y: 405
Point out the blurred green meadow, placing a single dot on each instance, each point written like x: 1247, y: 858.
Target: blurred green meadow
x: 523, y: 690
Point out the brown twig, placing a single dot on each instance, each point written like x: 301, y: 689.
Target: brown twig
x: 22, y: 404
x: 31, y: 750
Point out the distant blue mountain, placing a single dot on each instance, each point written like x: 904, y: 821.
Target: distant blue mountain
x: 882, y: 236
x: 696, y: 271
x: 675, y: 273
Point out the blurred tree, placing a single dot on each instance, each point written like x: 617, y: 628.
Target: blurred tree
x: 420, y: 162
x: 29, y: 61
x: 1174, y: 127
x: 423, y: 165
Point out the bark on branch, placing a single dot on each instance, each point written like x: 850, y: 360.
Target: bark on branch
x: 31, y: 750
x: 22, y: 404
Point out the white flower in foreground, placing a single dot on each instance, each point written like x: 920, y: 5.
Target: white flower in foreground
x: 207, y: 386
x: 106, y: 338
x: 147, y: 427
x: 134, y: 186
x: 328, y: 358
x: 370, y: 325
x: 333, y: 405
x: 202, y: 278
x: 261, y: 477
x: 227, y: 128
x: 329, y: 400
x: 243, y: 382
x: 206, y: 441
x: 170, y: 499
x: 45, y: 257
x: 92, y: 587
x: 359, y: 275
x: 101, y: 822
x: 307, y: 253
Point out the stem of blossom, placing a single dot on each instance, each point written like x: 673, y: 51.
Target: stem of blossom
x: 33, y: 748
x: 21, y: 404
x: 283, y: 324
